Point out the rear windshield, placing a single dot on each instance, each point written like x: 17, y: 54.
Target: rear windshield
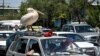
x: 84, y: 28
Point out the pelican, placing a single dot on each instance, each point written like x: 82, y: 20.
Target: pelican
x: 30, y: 18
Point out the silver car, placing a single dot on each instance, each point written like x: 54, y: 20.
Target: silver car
x: 44, y: 46
x: 83, y: 29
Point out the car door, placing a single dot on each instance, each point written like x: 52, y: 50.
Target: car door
x: 18, y: 48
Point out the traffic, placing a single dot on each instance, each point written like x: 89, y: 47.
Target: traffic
x: 24, y: 40
x: 79, y: 45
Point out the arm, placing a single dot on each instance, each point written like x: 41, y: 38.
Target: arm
x: 30, y: 53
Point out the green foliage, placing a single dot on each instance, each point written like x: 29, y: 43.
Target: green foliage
x: 10, y: 15
x: 58, y: 9
x: 77, y: 9
x: 23, y: 8
x: 52, y: 9
x: 93, y: 15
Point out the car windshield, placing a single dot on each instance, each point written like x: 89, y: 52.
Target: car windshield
x: 55, y: 46
x: 85, y: 28
x: 74, y: 37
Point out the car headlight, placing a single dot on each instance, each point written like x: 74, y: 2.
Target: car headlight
x: 90, y: 51
x: 87, y: 50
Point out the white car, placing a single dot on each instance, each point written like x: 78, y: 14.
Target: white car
x: 83, y: 29
x: 44, y: 46
x: 80, y: 41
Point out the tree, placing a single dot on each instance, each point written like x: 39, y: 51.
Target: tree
x: 10, y: 14
x: 53, y: 9
x: 77, y: 9
x: 93, y: 15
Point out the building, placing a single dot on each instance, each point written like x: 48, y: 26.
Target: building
x: 6, y: 10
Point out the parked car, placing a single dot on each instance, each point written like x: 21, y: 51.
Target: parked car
x: 80, y: 41
x: 3, y: 37
x: 44, y: 46
x: 83, y: 29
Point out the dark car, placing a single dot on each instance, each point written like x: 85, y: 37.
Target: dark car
x: 3, y: 37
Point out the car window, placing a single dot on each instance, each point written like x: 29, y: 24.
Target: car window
x: 65, y: 28
x: 34, y: 45
x: 20, y: 46
x: 71, y: 29
x: 68, y: 28
x: 84, y: 28
x: 6, y: 27
x: 56, y: 45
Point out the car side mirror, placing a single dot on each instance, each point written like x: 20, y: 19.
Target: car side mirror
x: 36, y: 54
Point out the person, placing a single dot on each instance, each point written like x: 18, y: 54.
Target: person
x: 16, y: 28
x: 30, y: 53
x: 35, y: 49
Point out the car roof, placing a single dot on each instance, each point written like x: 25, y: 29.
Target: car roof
x: 62, y: 32
x: 42, y: 37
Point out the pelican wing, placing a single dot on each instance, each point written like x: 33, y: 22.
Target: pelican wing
x: 29, y: 18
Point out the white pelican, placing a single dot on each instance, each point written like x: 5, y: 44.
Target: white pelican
x: 30, y: 18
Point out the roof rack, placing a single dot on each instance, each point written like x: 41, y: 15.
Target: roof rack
x: 32, y: 33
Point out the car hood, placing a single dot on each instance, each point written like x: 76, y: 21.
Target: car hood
x: 84, y: 44
x: 3, y: 43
